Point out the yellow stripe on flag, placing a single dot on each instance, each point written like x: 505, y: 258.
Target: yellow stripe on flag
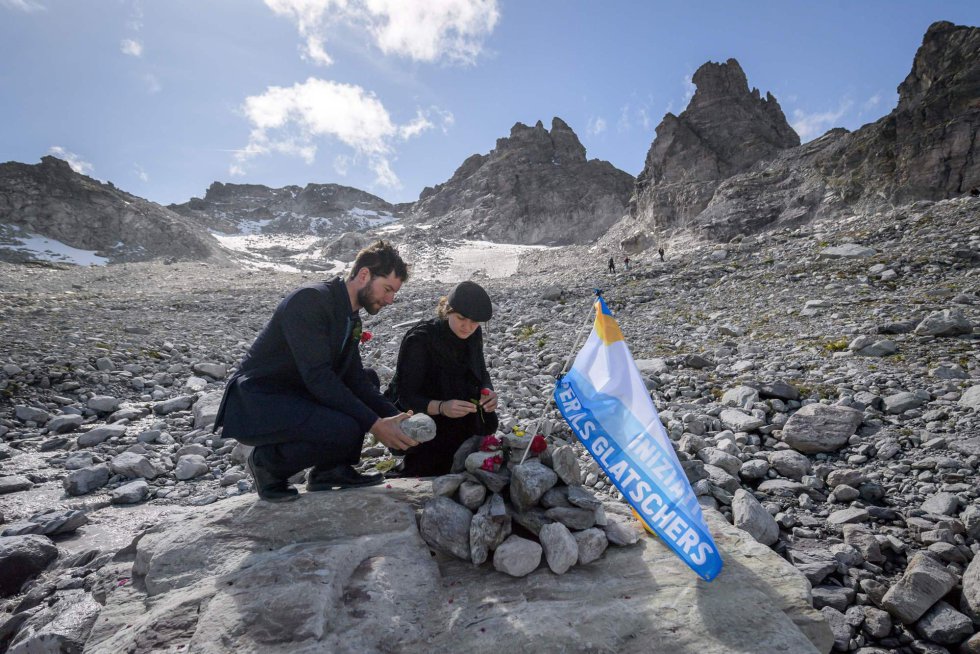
x: 607, y: 329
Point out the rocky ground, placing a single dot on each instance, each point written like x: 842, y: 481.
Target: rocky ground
x: 823, y: 382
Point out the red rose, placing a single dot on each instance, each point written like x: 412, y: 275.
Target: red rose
x: 484, y: 391
x: 366, y: 336
x: 488, y: 464
x: 499, y: 460
x: 538, y: 444
x: 489, y: 443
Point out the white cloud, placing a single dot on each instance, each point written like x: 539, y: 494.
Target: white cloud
x: 140, y: 173
x: 811, y: 125
x: 131, y: 47
x: 341, y: 164
x: 871, y: 103
x: 293, y: 120
x: 23, y: 5
x: 596, y: 126
x: 689, y: 87
x: 428, y: 30
x: 416, y: 127
x: 77, y: 164
x: 422, y: 30
x: 644, y: 118
x: 632, y: 116
x: 153, y: 84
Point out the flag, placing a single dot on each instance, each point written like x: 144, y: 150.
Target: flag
x: 606, y: 404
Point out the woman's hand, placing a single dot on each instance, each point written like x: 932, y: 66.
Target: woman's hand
x: 457, y: 408
x: 488, y: 400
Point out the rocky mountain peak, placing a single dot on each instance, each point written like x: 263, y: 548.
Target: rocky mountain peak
x: 537, y: 144
x: 716, y: 82
x: 699, y: 176
x: 725, y: 129
x: 535, y: 186
x: 942, y: 66
x: 52, y: 164
x: 49, y: 200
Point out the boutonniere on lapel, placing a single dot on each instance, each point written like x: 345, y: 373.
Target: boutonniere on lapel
x: 359, y: 335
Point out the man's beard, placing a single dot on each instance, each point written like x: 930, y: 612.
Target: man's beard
x: 367, y: 300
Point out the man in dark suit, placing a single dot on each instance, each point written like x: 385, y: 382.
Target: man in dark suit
x: 301, y: 395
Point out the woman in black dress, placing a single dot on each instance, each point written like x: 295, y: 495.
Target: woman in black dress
x: 441, y: 371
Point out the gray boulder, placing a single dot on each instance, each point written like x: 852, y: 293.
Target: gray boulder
x: 821, y: 428
x: 445, y: 526
x: 847, y: 251
x: 132, y: 465
x: 971, y: 398
x: 103, y: 403
x: 944, y: 625
x: 64, y: 423
x: 100, y: 435
x: 49, y: 523
x: 517, y: 556
x: 205, y: 410
x: 87, y: 479
x: 131, y: 493
x: 529, y: 481
x: 190, y: 466
x: 30, y: 413
x: 948, y: 322
x: 211, y: 369
x: 752, y: 517
x: 566, y: 465
x: 971, y: 586
x: 790, y: 463
x: 14, y: 484
x: 419, y: 427
x: 180, y: 403
x: 924, y: 582
x: 22, y: 558
x: 61, y: 627
x: 901, y: 402
x: 591, y: 544
x: 560, y: 547
x: 941, y: 504
x: 742, y: 397
x: 738, y: 421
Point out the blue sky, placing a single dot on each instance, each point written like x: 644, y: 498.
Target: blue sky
x: 162, y: 98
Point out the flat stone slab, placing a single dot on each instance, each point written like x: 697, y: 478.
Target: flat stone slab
x: 349, y: 572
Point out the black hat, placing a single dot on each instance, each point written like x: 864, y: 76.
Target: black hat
x: 471, y: 301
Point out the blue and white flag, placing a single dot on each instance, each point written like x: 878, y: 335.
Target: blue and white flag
x: 608, y: 407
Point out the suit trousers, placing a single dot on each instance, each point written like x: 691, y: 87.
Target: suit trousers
x: 326, y: 439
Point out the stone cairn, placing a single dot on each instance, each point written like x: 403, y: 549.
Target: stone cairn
x: 492, y: 505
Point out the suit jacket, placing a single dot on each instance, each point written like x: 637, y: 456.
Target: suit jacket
x: 304, y: 357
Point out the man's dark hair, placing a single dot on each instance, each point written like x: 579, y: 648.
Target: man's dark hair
x: 381, y: 259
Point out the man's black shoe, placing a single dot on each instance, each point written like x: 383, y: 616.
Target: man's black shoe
x: 270, y: 488
x: 340, y: 477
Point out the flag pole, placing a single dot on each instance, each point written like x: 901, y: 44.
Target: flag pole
x: 551, y: 396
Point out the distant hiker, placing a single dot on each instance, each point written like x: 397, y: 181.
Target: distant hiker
x: 441, y: 371
x: 661, y: 253
x: 626, y: 262
x: 301, y: 395
x: 612, y: 265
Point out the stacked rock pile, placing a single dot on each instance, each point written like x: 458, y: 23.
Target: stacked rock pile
x: 493, y: 505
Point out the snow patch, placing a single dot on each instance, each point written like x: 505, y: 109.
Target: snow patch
x: 41, y: 248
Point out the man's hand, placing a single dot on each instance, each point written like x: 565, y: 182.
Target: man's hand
x: 489, y: 400
x: 457, y: 408
x: 389, y: 433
